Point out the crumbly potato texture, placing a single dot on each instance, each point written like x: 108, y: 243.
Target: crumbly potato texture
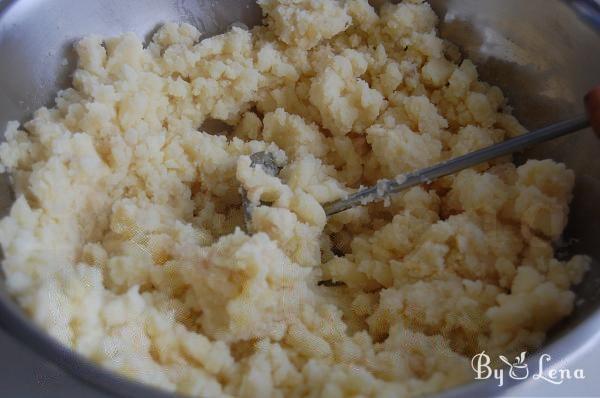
x: 126, y: 241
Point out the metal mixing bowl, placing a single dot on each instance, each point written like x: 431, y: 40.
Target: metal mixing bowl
x: 538, y: 51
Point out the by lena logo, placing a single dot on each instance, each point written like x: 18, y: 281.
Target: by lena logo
x: 519, y: 370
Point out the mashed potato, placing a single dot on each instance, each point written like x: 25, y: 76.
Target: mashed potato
x: 125, y: 244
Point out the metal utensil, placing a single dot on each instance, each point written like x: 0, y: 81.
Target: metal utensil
x: 384, y: 188
x: 267, y: 162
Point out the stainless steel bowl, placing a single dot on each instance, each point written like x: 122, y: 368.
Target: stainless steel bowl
x: 538, y: 51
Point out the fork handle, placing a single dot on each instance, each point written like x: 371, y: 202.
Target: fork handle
x: 384, y: 188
